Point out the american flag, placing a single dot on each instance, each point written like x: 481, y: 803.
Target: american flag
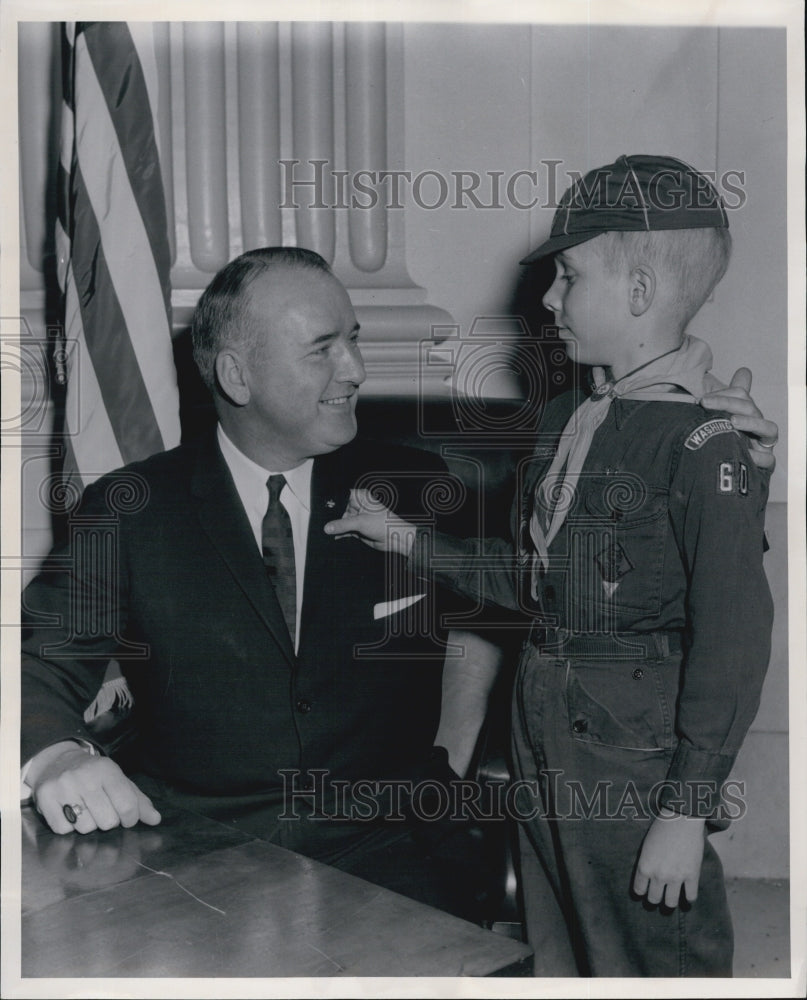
x: 113, y: 265
x: 113, y: 255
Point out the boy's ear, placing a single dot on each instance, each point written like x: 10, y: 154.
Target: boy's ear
x: 642, y: 288
x: 232, y: 377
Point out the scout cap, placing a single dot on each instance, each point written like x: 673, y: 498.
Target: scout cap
x: 634, y: 194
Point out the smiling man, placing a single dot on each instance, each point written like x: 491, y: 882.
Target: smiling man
x: 267, y: 661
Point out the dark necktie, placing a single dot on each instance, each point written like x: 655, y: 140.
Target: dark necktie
x: 278, y: 553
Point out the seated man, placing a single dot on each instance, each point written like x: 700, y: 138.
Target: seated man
x: 266, y: 660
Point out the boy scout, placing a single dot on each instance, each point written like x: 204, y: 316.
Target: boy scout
x: 639, y: 558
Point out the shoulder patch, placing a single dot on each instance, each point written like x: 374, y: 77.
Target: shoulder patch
x: 701, y: 434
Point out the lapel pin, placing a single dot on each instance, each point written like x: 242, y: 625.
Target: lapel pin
x: 330, y: 503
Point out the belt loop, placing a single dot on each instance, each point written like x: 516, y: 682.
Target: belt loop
x: 662, y: 644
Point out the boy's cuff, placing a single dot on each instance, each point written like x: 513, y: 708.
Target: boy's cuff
x: 695, y: 781
x: 429, y: 543
x: 419, y: 560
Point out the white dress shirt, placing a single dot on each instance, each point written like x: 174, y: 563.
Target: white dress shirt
x: 250, y: 482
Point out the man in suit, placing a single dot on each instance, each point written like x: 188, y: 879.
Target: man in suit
x: 253, y: 669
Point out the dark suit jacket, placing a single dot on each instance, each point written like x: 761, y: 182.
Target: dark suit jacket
x: 161, y: 571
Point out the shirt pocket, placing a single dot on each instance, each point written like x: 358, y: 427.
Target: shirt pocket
x: 617, y: 545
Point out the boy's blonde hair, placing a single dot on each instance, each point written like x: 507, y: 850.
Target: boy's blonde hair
x: 692, y: 260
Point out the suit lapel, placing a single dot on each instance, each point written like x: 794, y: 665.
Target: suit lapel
x: 330, y: 489
x: 343, y: 577
x: 223, y: 519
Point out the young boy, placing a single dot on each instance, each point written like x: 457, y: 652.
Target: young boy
x: 639, y: 541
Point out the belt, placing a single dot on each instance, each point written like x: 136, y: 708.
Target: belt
x: 613, y: 646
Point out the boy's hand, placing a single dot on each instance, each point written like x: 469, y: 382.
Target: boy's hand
x: 746, y: 416
x: 376, y: 525
x: 671, y: 857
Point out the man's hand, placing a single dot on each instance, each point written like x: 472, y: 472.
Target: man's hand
x: 368, y: 519
x: 671, y: 857
x: 746, y: 416
x: 95, y: 788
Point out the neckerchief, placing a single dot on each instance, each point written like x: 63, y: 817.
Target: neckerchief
x: 684, y: 368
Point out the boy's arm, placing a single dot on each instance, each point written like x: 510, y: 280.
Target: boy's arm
x: 489, y: 570
x: 483, y: 569
x: 717, y: 508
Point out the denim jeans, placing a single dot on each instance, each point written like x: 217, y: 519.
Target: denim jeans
x: 592, y: 742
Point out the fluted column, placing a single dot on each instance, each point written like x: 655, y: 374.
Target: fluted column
x: 206, y: 145
x: 366, y: 137
x: 259, y: 134
x: 312, y: 124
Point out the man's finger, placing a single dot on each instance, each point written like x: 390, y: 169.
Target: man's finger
x: 97, y: 805
x: 124, y: 797
x: 741, y: 379
x: 148, y: 814
x: 691, y: 889
x: 85, y: 818
x: 765, y: 430
x: 53, y: 814
x: 734, y: 402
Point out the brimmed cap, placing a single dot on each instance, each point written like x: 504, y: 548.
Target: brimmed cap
x: 634, y: 194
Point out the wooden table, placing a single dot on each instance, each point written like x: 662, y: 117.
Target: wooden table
x: 192, y: 897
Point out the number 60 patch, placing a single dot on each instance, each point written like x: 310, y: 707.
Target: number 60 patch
x: 732, y: 478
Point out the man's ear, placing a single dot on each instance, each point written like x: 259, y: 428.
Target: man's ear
x: 642, y: 289
x: 232, y: 377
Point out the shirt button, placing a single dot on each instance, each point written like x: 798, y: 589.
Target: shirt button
x: 638, y: 674
x: 580, y: 726
x: 303, y: 706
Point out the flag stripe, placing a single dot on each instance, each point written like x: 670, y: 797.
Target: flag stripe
x: 123, y: 87
x: 91, y: 446
x: 122, y: 388
x: 143, y: 41
x: 127, y: 247
x: 113, y: 254
x: 67, y: 67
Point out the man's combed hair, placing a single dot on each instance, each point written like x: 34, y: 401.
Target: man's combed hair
x: 222, y: 314
x: 694, y: 261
